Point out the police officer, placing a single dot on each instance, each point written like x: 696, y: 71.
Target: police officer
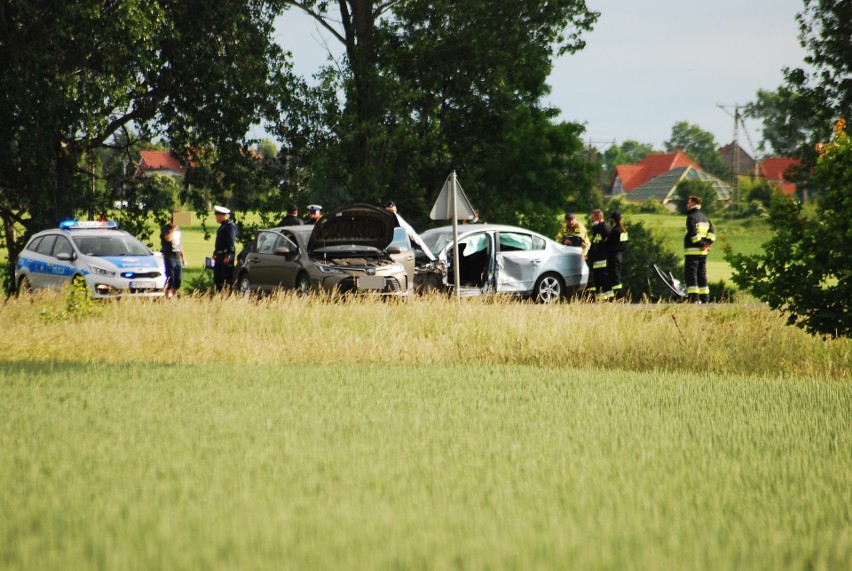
x: 696, y: 245
x: 616, y: 244
x: 225, y: 248
x: 314, y: 214
x: 598, y: 255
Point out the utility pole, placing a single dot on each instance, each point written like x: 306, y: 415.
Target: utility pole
x: 735, y: 163
x: 590, y: 155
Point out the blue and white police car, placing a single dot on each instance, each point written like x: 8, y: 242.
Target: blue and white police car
x: 112, y: 262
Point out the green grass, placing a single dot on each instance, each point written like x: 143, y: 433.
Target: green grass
x: 420, y: 467
x: 744, y: 236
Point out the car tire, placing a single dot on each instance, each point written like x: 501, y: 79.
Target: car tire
x: 303, y: 285
x: 244, y: 284
x: 549, y: 288
x: 24, y: 286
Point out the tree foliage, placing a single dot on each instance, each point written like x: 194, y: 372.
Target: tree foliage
x: 79, y: 77
x: 646, y: 248
x: 801, y: 112
x: 444, y: 86
x: 629, y: 152
x: 805, y: 269
x: 700, y: 188
x: 700, y: 146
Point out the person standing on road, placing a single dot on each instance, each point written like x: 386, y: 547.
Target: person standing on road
x: 574, y: 233
x: 225, y: 248
x: 616, y: 244
x: 292, y: 218
x: 598, y: 255
x: 699, y: 237
x: 173, y: 256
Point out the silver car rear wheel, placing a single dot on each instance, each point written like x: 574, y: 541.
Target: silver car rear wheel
x: 548, y: 289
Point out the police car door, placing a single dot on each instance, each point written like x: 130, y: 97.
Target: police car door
x: 42, y: 264
x: 63, y: 261
x: 519, y: 257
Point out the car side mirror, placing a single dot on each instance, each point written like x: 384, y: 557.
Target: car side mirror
x: 282, y: 251
x: 394, y: 250
x: 64, y: 256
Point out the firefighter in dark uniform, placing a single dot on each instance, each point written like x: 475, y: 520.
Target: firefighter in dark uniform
x: 598, y: 255
x: 616, y: 244
x: 225, y: 249
x: 696, y: 245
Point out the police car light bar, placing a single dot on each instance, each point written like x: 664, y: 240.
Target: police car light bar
x: 88, y: 224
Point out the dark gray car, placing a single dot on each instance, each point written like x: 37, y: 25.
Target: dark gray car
x: 358, y: 248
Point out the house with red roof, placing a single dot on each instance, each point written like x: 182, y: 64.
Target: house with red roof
x: 775, y: 170
x: 159, y: 162
x: 628, y: 178
x: 657, y: 177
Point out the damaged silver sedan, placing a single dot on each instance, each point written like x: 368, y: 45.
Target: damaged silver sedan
x: 507, y: 259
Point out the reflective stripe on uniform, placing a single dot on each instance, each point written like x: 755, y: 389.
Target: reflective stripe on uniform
x: 599, y: 264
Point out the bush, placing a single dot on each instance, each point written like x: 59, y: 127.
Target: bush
x: 644, y: 249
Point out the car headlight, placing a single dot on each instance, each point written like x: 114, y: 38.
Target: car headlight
x: 97, y: 270
x: 328, y: 269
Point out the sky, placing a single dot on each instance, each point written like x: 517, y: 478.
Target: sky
x: 647, y: 65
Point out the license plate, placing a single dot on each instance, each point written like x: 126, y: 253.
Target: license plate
x: 371, y: 282
x: 143, y: 284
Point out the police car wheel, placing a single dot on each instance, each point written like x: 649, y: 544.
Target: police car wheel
x: 78, y: 282
x: 303, y: 285
x: 24, y: 286
x: 548, y: 289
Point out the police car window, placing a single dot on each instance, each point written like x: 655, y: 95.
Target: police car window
x: 62, y: 246
x: 33, y: 246
x: 46, y: 245
x: 106, y: 246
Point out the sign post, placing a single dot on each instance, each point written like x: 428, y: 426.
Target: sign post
x: 451, y: 204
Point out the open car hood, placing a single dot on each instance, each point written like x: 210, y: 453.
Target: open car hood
x: 355, y: 225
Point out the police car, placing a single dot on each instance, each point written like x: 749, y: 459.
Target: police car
x: 112, y: 262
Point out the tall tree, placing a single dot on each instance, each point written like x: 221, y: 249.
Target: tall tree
x: 75, y: 74
x: 700, y: 145
x: 629, y: 152
x: 804, y: 269
x: 802, y: 111
x: 457, y: 85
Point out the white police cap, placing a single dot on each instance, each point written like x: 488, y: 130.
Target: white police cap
x: 221, y: 210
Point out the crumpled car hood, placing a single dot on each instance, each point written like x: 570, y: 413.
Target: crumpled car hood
x: 355, y: 225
